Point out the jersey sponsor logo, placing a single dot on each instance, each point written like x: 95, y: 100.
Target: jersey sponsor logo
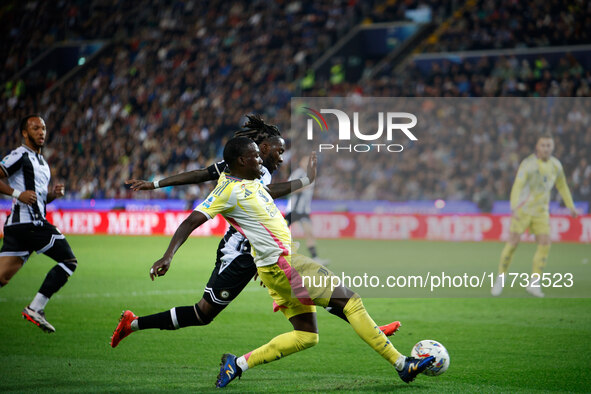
x: 262, y: 195
x: 271, y: 210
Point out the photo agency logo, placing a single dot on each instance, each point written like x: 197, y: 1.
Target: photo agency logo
x: 390, y: 125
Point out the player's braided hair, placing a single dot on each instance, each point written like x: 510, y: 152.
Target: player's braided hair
x: 257, y: 130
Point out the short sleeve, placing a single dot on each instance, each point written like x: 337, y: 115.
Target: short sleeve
x: 522, y: 172
x: 220, y: 200
x: 11, y: 163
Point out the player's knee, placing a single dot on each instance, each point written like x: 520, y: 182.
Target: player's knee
x: 70, y: 266
x: 4, y: 277
x: 340, y: 296
x: 204, y: 314
x: 514, y: 239
x: 354, y: 305
x: 207, y: 311
x: 306, y: 339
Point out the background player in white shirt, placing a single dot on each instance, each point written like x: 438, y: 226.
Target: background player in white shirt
x: 299, y: 208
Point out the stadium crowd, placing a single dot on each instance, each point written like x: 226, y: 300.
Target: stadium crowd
x: 471, y: 151
x: 164, y: 99
x: 501, y: 24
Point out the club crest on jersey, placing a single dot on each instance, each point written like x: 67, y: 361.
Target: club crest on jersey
x: 245, y: 190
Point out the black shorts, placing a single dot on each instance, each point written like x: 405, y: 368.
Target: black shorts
x: 23, y: 239
x: 224, y: 286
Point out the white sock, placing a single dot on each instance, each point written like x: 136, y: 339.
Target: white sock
x: 400, y: 361
x: 241, y: 362
x: 39, y: 302
x: 134, y: 326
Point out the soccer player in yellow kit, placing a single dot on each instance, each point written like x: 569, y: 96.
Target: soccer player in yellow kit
x: 247, y: 205
x: 530, y: 199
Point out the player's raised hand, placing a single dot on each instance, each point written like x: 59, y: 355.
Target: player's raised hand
x: 138, y: 184
x: 28, y: 197
x: 312, y: 163
x: 160, y: 267
x: 59, y: 190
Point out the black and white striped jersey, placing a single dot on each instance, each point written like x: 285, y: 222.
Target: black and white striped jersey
x: 234, y: 243
x: 26, y: 170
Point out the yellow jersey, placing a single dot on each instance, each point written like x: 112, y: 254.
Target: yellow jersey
x: 534, y: 181
x: 250, y: 209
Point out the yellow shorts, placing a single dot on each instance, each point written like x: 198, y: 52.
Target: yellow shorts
x: 537, y: 224
x: 296, y: 284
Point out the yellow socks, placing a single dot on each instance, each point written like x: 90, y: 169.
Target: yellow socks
x: 506, y: 258
x: 540, y: 259
x: 368, y: 330
x: 279, y: 347
x: 294, y: 341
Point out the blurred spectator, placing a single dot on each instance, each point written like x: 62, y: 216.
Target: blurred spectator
x: 496, y: 24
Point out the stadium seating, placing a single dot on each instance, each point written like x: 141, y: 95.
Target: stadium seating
x: 177, y: 81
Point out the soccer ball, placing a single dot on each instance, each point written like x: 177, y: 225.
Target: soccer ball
x: 428, y: 347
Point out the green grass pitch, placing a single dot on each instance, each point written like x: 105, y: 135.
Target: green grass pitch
x: 510, y: 344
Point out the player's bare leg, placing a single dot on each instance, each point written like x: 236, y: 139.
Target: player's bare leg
x: 9, y: 266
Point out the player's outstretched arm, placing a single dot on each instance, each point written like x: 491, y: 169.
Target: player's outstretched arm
x: 28, y: 197
x: 284, y: 188
x: 195, y: 219
x: 184, y: 178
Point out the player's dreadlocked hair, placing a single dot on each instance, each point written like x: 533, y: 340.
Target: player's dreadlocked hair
x: 257, y: 130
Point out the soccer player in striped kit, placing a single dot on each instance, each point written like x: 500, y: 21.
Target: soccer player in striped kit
x: 25, y: 175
